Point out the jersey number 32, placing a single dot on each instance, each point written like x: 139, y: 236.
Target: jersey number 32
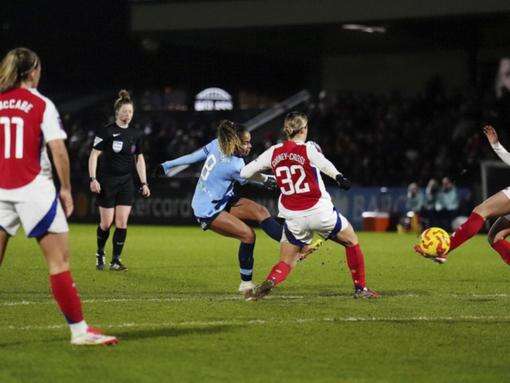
x: 291, y: 179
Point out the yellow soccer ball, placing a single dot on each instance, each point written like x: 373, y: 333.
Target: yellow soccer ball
x: 435, y: 242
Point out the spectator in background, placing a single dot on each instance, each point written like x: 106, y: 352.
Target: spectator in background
x: 429, y: 211
x: 447, y: 203
x: 415, y: 202
x: 415, y: 199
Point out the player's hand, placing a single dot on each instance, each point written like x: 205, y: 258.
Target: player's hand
x: 95, y: 187
x: 343, y: 182
x: 66, y: 199
x: 270, y: 183
x: 145, y: 191
x: 491, y: 134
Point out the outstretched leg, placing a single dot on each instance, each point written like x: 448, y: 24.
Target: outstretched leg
x: 494, y: 206
x: 497, y: 234
x: 246, y: 209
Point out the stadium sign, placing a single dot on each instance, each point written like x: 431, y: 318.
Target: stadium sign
x: 213, y: 99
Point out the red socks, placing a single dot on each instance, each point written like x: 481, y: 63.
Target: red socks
x: 279, y: 273
x: 466, y: 230
x: 356, y: 263
x: 503, y: 248
x: 66, y: 295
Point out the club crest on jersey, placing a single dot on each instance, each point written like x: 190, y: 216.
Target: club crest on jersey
x: 117, y: 146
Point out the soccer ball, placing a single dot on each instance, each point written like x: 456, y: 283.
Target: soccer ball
x: 435, y: 242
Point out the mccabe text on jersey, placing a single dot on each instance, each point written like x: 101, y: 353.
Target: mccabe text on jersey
x: 23, y: 105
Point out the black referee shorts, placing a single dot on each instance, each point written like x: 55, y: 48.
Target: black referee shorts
x: 116, y: 190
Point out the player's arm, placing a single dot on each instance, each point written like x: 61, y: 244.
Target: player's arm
x: 253, y: 170
x: 97, y: 148
x: 142, y: 174
x: 318, y: 160
x: 54, y: 136
x: 493, y: 139
x: 199, y: 156
x: 61, y: 163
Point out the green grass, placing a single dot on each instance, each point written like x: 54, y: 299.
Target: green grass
x: 180, y: 319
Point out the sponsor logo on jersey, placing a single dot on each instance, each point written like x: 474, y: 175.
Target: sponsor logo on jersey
x: 117, y: 146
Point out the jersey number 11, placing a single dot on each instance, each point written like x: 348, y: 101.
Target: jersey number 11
x: 19, y: 123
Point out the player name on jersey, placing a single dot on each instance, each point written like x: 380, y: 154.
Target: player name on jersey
x: 287, y: 156
x: 23, y: 105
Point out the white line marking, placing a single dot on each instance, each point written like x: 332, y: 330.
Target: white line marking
x: 233, y: 297
x: 241, y: 322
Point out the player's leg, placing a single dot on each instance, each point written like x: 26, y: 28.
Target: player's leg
x: 494, y: 206
x: 228, y: 225
x: 246, y: 209
x: 4, y: 238
x: 296, y: 234
x: 55, y: 249
x: 119, y: 236
x: 9, y: 225
x: 336, y: 227
x: 497, y: 234
x: 106, y: 215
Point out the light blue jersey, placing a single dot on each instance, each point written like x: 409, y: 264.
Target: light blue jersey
x: 215, y: 186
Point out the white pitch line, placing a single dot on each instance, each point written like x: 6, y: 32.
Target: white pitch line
x: 199, y: 297
x: 252, y: 322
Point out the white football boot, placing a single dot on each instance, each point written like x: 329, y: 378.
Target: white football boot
x: 245, y: 286
x: 93, y: 337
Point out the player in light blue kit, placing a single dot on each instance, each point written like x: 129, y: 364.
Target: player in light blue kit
x: 215, y: 204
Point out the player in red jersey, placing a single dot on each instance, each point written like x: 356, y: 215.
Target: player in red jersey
x: 306, y: 205
x: 28, y: 122
x: 497, y: 205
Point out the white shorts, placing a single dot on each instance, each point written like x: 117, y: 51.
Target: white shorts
x: 299, y: 230
x: 40, y: 214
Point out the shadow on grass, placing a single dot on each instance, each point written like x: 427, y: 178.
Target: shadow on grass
x: 127, y: 335
x: 170, y: 332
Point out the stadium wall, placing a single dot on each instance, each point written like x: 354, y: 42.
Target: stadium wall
x: 172, y: 206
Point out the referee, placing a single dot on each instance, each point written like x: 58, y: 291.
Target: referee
x: 119, y: 147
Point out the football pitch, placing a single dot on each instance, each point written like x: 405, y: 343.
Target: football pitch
x: 180, y: 319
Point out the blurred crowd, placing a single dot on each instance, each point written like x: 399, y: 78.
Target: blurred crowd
x: 387, y: 140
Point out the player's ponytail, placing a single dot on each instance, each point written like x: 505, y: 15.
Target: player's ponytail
x: 228, y: 136
x: 124, y: 98
x: 294, y: 123
x: 16, y: 66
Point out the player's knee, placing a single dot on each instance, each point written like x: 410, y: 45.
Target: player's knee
x: 59, y: 263
x: 482, y: 210
x: 121, y: 223
x: 105, y: 226
x: 248, y: 236
x: 349, y: 240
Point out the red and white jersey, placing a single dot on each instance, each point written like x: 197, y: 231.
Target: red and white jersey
x: 28, y: 121
x: 297, y: 167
